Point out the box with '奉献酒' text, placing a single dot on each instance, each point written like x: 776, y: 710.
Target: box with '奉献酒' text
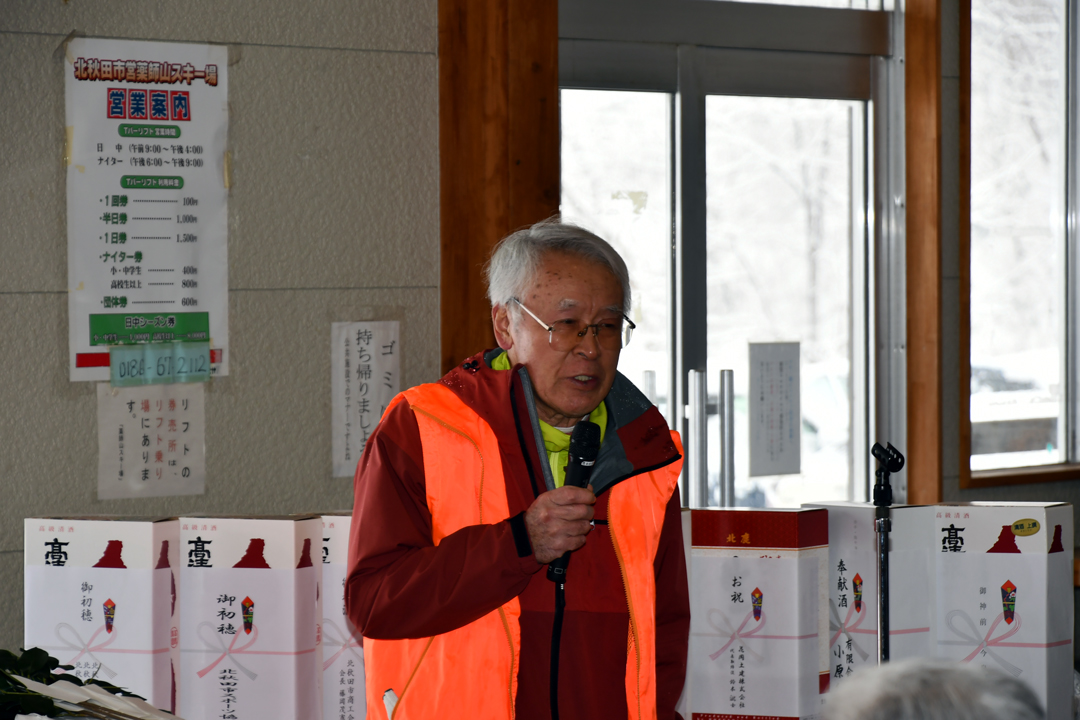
x: 251, y: 612
x: 101, y: 596
x: 854, y: 582
x: 343, y: 649
x: 758, y: 613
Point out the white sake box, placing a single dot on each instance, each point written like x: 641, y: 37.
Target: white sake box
x: 1003, y: 594
x: 251, y: 610
x: 758, y: 613
x: 853, y: 584
x: 343, y: 664
x: 101, y: 595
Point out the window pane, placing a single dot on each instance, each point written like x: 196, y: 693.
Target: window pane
x: 784, y: 202
x: 849, y: 4
x: 1017, y: 232
x: 616, y: 181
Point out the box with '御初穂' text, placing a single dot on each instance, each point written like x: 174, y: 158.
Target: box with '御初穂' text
x: 1001, y: 593
x: 343, y: 650
x: 250, y: 634
x: 758, y: 609
x: 100, y: 595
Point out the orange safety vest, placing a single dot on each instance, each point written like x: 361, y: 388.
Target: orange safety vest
x: 471, y: 672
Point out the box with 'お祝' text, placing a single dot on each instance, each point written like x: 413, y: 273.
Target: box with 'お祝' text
x: 758, y: 613
x: 1001, y: 592
x: 251, y: 613
x: 343, y: 664
x: 101, y: 596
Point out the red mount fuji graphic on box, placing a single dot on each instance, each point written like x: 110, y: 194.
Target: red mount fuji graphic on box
x: 1056, y: 545
x: 1006, y: 542
x: 162, y: 563
x: 112, y: 557
x: 305, y: 555
x: 253, y: 558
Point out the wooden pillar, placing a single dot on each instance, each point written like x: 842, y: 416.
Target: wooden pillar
x: 922, y: 88
x: 498, y: 147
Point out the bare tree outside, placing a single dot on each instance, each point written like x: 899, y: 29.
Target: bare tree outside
x: 1018, y: 108
x: 780, y: 230
x: 616, y: 181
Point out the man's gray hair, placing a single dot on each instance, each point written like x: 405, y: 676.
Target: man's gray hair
x: 929, y: 689
x: 517, y: 257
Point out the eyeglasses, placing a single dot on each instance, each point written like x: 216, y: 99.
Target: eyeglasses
x: 565, y: 335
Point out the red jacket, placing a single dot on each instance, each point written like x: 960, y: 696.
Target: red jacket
x: 396, y: 572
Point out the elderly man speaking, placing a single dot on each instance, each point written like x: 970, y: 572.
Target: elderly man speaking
x: 460, y: 505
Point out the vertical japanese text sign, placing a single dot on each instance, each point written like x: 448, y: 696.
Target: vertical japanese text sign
x: 147, y: 260
x: 775, y: 417
x: 151, y: 440
x: 366, y: 367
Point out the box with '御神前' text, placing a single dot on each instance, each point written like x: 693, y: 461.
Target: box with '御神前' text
x: 343, y: 650
x: 758, y: 613
x: 1002, y: 593
x: 251, y: 612
x: 854, y: 580
x: 100, y: 595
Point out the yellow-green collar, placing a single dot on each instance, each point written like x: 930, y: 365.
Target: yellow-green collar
x: 555, y: 440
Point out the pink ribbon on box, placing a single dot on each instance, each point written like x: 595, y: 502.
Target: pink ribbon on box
x: 989, y: 641
x: 846, y: 627
x: 230, y: 651
x: 344, y: 642
x: 87, y: 647
x: 738, y: 633
x: 227, y: 652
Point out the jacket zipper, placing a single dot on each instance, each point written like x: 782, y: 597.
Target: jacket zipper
x: 513, y: 663
x: 416, y: 668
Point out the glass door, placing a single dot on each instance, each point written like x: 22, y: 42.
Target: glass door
x: 786, y: 232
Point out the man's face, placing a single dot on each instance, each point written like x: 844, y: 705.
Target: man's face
x: 569, y: 384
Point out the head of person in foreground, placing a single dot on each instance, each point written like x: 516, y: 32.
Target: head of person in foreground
x: 931, y: 689
x: 559, y: 297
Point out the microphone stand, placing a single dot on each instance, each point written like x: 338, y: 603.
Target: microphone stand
x: 890, y: 460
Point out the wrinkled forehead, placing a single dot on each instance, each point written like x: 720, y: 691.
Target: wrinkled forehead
x: 571, y: 304
x: 552, y: 259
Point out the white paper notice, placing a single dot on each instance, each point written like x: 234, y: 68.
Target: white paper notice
x: 151, y: 441
x: 147, y: 258
x: 775, y: 417
x: 365, y: 359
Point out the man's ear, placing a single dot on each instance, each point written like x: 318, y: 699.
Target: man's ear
x: 500, y: 323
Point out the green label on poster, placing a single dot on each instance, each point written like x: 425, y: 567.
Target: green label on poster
x: 140, y: 328
x: 151, y: 182
x: 149, y: 131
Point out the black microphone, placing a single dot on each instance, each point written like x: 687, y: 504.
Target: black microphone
x: 584, y: 447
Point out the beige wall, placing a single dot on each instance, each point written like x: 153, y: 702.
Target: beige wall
x: 333, y: 216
